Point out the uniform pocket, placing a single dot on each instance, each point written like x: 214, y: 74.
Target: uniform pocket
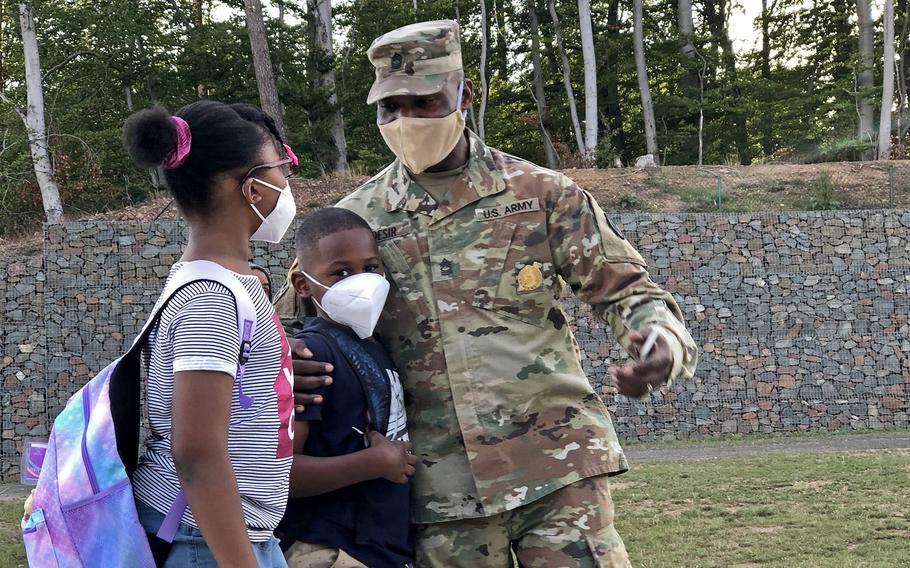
x: 402, y: 258
x: 39, y: 549
x: 518, y: 279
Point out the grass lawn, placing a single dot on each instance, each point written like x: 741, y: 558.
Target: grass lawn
x: 12, y: 554
x: 818, y: 510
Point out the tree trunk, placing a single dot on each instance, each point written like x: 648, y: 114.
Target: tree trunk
x: 2, y: 44
x: 768, y: 118
x: 34, y: 118
x: 567, y: 79
x: 884, y: 128
x: 647, y: 107
x: 716, y: 13
x: 614, y: 110
x: 321, y: 18
x: 502, y: 44
x: 866, y: 77
x: 262, y: 64
x: 692, y: 80
x: 689, y: 79
x: 197, y: 24
x: 484, y: 43
x: 587, y: 49
x: 901, y: 68
x: 686, y: 28
x: 539, y: 93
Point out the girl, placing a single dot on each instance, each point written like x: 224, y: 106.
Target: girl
x: 225, y: 443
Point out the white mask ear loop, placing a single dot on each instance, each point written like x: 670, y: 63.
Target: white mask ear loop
x: 464, y: 113
x: 267, y: 184
x: 317, y: 282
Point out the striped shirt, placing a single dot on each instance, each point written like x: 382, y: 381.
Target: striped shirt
x: 198, y: 331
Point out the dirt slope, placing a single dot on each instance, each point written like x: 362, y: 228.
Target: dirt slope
x: 766, y: 187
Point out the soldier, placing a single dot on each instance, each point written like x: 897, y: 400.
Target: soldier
x: 515, y: 449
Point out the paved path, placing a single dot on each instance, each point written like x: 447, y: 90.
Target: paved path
x: 783, y: 445
x: 13, y: 492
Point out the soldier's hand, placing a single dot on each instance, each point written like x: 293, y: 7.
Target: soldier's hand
x: 309, y: 375
x: 634, y: 378
x: 395, y: 460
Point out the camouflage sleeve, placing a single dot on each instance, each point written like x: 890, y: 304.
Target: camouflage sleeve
x: 605, y: 271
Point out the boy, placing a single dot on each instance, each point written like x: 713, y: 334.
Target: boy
x: 350, y: 484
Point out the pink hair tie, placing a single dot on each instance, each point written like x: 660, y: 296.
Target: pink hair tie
x: 181, y: 150
x: 291, y: 155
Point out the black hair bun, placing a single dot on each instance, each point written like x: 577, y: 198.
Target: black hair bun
x: 150, y: 135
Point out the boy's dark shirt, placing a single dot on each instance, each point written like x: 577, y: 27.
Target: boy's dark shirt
x: 369, y: 520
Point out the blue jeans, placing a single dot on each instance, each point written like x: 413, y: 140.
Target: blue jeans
x: 190, y: 550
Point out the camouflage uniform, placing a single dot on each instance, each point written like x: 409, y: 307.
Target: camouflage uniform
x: 501, y: 413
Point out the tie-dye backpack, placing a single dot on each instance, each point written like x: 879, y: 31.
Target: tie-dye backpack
x: 83, y: 510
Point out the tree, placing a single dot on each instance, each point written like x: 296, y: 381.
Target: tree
x: 502, y: 43
x: 647, y: 106
x: 884, y: 128
x: 320, y: 16
x: 686, y: 28
x: 865, y: 79
x: 33, y: 118
x: 612, y: 71
x: 484, y: 43
x: 693, y: 79
x: 2, y: 44
x: 540, y: 97
x: 587, y: 48
x: 198, y: 22
x: 902, y: 15
x: 567, y: 79
x: 262, y: 64
x: 767, y: 123
x: 716, y: 16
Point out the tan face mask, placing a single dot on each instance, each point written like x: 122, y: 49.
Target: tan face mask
x: 421, y: 143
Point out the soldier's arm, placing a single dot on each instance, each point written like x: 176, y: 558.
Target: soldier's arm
x: 605, y: 271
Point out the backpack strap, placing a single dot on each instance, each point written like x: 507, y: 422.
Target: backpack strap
x: 372, y: 379
x: 196, y: 271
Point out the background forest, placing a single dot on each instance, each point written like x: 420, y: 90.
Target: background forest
x: 568, y: 83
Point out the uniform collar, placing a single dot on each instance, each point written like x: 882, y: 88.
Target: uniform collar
x: 483, y: 176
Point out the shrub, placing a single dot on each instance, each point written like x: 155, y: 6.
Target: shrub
x: 629, y: 201
x: 823, y: 193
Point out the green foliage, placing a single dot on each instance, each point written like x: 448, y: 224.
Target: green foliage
x: 629, y: 201
x: 605, y: 156
x: 702, y: 199
x: 840, y: 150
x: 823, y: 193
x: 102, y: 59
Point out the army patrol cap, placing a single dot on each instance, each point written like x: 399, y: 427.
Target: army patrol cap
x: 418, y: 59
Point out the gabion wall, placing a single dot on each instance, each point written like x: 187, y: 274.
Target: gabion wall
x: 802, y: 320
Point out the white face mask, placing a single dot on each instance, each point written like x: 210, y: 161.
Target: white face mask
x: 356, y: 301
x: 274, y: 226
